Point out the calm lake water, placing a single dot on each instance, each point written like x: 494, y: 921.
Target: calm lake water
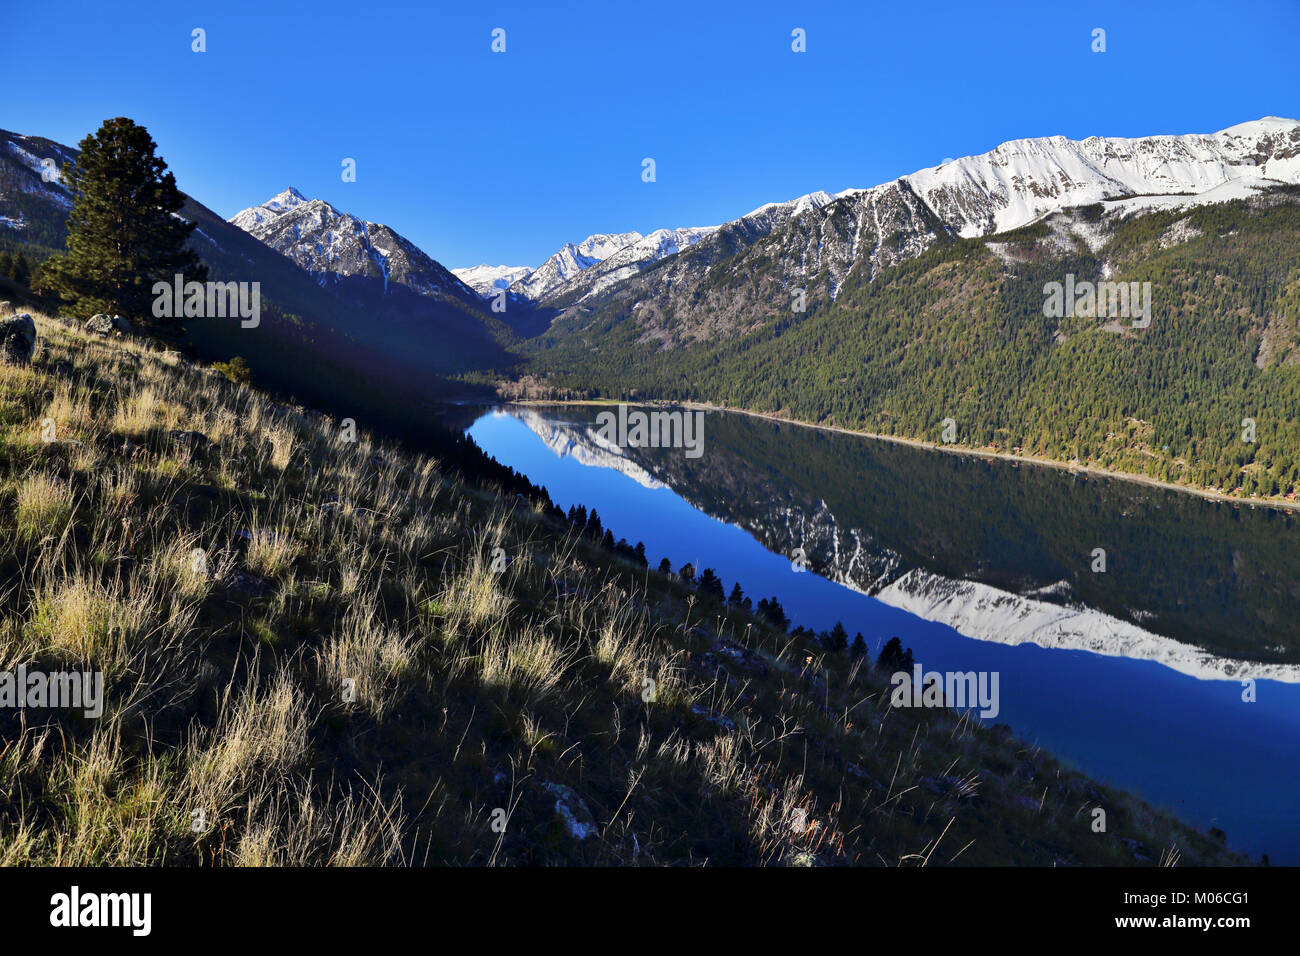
x: 963, y: 557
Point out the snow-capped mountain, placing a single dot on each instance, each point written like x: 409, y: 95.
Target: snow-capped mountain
x: 254, y: 217
x: 569, y: 261
x: 1022, y: 180
x: 332, y: 245
x: 627, y: 261
x: 569, y: 285
x: 812, y: 244
x: 488, y: 280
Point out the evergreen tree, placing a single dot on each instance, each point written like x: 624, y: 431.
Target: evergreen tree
x: 122, y: 236
x: 20, y: 271
x: 771, y: 610
x: 687, y: 572
x: 838, y: 639
x: 893, y: 658
x: 737, y: 595
x: 859, y: 646
x: 665, y: 566
x: 6, y: 265
x: 711, y: 585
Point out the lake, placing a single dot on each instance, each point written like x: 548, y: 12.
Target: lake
x: 1127, y: 623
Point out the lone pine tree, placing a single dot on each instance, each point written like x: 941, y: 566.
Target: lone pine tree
x: 122, y: 234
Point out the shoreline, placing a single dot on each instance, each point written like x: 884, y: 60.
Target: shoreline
x: 1278, y: 503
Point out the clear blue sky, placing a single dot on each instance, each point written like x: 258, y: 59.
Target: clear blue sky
x: 501, y: 158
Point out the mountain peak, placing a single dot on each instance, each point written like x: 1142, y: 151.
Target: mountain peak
x: 284, y: 200
x: 571, y: 260
x: 330, y: 243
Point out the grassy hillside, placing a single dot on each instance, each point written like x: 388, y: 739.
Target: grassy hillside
x: 352, y: 674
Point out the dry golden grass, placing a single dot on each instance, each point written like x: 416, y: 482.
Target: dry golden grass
x: 365, y: 660
x: 185, y: 570
x: 282, y: 445
x: 67, y: 416
x: 528, y: 662
x: 474, y: 601
x: 271, y: 552
x: 43, y: 507
x: 262, y: 735
x: 349, y: 831
x: 87, y: 622
x: 143, y: 410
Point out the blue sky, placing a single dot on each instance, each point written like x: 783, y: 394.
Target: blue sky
x: 501, y: 158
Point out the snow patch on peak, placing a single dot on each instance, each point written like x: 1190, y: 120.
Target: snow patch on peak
x: 1265, y: 124
x: 286, y: 199
x: 603, y: 245
x: 793, y: 207
x: 488, y: 280
x: 1023, y: 179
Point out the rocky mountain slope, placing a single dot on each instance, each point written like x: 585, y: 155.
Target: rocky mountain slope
x: 627, y: 260
x: 1019, y: 181
x: 569, y: 261
x: 334, y: 246
x: 754, y: 268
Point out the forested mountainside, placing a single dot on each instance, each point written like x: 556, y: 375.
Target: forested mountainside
x: 962, y: 332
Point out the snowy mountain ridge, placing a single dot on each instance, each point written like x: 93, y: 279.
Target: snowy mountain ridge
x: 1017, y: 183
x: 1024, y: 179
x: 746, y: 270
x: 569, y: 261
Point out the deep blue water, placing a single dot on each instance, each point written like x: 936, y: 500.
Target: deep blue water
x: 1189, y: 745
